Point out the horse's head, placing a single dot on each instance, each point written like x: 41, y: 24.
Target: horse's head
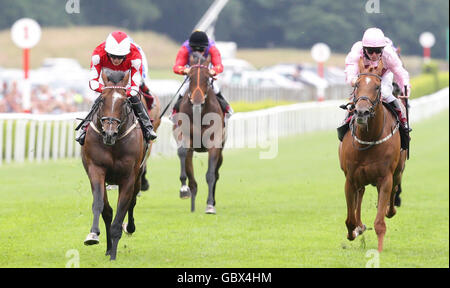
x: 199, y: 78
x: 113, y: 105
x: 367, y: 94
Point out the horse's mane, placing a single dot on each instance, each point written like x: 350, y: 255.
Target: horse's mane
x: 114, y: 76
x: 198, y: 57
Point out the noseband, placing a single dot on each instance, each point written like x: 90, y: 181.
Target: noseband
x: 111, y: 120
x: 372, y: 114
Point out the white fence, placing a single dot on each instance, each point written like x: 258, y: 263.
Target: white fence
x: 25, y: 137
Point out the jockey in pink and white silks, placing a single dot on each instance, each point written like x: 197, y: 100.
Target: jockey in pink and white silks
x: 373, y: 47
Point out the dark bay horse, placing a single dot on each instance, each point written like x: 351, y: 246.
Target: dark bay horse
x: 371, y: 154
x: 113, y: 153
x: 199, y: 127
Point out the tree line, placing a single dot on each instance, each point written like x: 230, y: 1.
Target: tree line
x: 253, y: 23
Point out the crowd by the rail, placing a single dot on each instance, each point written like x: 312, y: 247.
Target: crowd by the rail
x: 44, y: 99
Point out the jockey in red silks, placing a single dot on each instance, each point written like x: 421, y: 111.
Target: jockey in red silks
x: 199, y: 41
x: 117, y: 53
x: 373, y: 47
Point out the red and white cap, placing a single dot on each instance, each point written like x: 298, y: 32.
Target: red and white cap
x: 374, y: 37
x: 118, y: 43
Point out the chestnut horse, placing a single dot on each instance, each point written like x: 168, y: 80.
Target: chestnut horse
x: 113, y: 153
x: 371, y: 154
x: 199, y: 127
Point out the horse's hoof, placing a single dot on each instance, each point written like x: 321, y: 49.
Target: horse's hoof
x: 398, y: 201
x: 124, y: 228
x: 390, y: 214
x: 145, y: 186
x: 91, y: 239
x: 210, y: 209
x: 185, y: 192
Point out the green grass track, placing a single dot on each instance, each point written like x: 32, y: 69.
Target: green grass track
x: 284, y: 212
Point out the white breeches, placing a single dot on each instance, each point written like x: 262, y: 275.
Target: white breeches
x: 387, y: 88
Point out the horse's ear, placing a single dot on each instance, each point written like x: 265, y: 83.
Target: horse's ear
x: 361, y: 65
x: 104, y: 77
x: 380, y: 67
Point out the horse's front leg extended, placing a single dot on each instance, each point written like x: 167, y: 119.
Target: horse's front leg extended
x: 384, y: 192
x: 97, y: 179
x: 129, y: 227
x: 214, y: 162
x: 190, y: 175
x: 185, y: 191
x: 351, y: 195
x: 126, y: 194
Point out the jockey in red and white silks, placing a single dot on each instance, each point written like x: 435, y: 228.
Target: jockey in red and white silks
x: 117, y: 53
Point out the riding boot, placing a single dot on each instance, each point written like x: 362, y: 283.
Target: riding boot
x: 141, y: 113
x: 226, y: 108
x: 86, y: 121
x: 80, y: 139
x: 404, y: 129
x: 342, y: 130
x: 176, y: 107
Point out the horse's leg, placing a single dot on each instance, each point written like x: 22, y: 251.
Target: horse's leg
x: 351, y: 198
x: 361, y: 227
x: 384, y: 193
x: 97, y: 179
x: 391, y: 210
x: 145, y: 185
x: 214, y: 161
x: 190, y: 175
x: 219, y: 164
x: 126, y: 194
x: 398, y: 199
x: 107, y: 218
x: 396, y: 189
x: 184, y: 190
x: 129, y: 227
x: 144, y: 182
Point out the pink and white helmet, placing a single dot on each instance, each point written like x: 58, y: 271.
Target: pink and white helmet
x: 118, y: 43
x: 374, y: 37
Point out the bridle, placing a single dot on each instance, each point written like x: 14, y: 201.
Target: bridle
x: 200, y: 66
x: 111, y: 120
x: 365, y: 98
x: 371, y: 115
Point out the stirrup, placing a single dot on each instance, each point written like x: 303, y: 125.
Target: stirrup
x: 80, y: 139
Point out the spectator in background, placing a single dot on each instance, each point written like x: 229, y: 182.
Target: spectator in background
x: 44, y: 99
x: 3, y: 89
x: 13, y: 99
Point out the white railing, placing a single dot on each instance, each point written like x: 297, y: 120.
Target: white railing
x: 25, y: 137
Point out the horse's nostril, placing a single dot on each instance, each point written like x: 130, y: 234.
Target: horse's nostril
x: 362, y: 113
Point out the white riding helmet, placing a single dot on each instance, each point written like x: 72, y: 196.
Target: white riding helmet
x: 374, y: 37
x: 118, y: 43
